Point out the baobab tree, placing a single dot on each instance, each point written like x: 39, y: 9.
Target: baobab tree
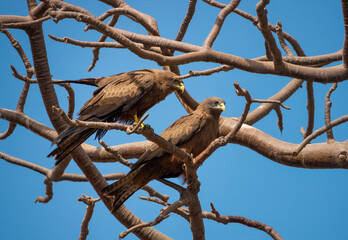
x: 277, y: 166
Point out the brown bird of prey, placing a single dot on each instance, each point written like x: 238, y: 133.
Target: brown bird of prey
x: 192, y: 133
x: 123, y: 98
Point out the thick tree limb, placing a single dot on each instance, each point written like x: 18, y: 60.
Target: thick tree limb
x: 315, y: 155
x: 81, y: 158
x: 322, y: 75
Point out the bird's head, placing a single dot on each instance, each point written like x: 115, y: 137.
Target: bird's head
x: 169, y: 79
x: 212, y: 105
x: 178, y: 84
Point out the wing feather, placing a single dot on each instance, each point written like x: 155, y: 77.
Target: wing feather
x: 121, y: 93
x: 181, y: 131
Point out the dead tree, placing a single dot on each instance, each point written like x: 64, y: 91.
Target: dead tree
x: 283, y: 57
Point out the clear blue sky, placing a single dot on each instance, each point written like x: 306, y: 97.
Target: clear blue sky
x: 297, y: 203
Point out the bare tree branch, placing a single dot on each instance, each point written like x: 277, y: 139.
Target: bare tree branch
x: 208, y: 43
x: 97, y: 44
x: 185, y: 23
x: 183, y: 212
x: 163, y: 215
x: 96, y: 49
x: 68, y: 88
x: 215, y: 215
x: 49, y: 192
x: 328, y: 105
x: 152, y: 46
x: 129, y: 129
x: 282, y: 42
x: 345, y: 43
x: 320, y: 131
x: 310, y: 108
x: 90, y: 202
x: 25, y: 90
x: 323, y: 75
x: 267, y: 34
x: 116, y: 154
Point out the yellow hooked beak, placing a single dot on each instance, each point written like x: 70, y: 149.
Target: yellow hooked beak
x: 222, y: 106
x: 180, y: 86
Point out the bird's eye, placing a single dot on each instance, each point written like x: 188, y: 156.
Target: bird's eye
x: 216, y: 103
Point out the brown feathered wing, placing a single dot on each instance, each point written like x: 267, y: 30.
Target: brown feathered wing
x: 155, y: 163
x: 114, y: 100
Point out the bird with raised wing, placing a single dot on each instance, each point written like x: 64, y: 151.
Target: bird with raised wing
x: 192, y: 133
x: 122, y: 98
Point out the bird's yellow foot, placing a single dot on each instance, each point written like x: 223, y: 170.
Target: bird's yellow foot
x: 142, y: 125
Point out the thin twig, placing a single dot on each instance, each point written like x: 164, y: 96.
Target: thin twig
x: 146, y: 21
x: 23, y: 163
x: 319, y: 132
x: 20, y: 51
x: 271, y: 101
x: 47, y: 172
x: 214, y: 211
x: 282, y: 42
x: 49, y: 192
x: 153, y: 193
x: 68, y: 88
x: 310, y: 108
x: 185, y: 23
x: 116, y: 154
x: 96, y: 49
x: 208, y: 43
x: 267, y: 34
x: 132, y: 14
x: 280, y: 118
x: 90, y: 202
x: 24, y: 25
x: 175, y: 186
x: 328, y: 105
x: 207, y: 72
x: 242, y: 220
x: 222, y: 141
x: 84, y: 44
x: 30, y: 71
x: 64, y: 6
x: 19, y: 108
x: 163, y: 215
x: 183, y: 212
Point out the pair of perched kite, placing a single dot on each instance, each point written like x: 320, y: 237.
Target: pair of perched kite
x: 125, y: 98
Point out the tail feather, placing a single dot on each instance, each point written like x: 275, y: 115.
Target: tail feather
x: 86, y: 81
x: 68, y: 140
x: 121, y: 190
